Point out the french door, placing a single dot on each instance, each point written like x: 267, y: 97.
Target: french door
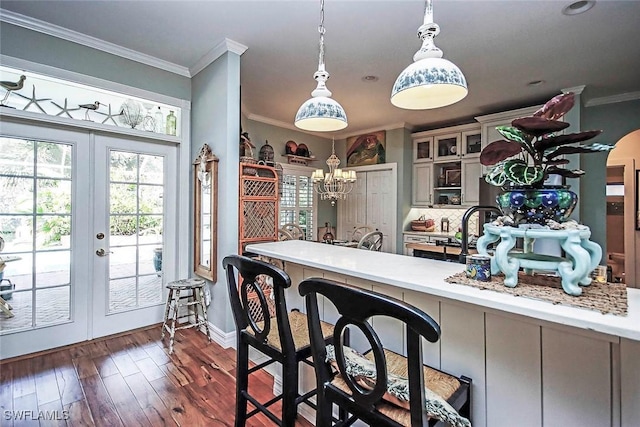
x: 66, y: 194
x: 135, y: 194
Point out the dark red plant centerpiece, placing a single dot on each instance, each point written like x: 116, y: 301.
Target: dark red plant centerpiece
x: 532, y: 151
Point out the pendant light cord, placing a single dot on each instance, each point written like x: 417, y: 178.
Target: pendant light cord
x: 321, y: 30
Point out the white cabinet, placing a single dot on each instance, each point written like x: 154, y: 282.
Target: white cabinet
x: 423, y: 149
x: 422, y: 184
x: 471, y: 171
x: 372, y: 202
x: 441, y: 173
x: 414, y: 238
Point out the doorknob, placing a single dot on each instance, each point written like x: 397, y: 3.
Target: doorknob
x: 102, y: 252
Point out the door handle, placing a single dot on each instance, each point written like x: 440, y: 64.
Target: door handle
x: 102, y: 252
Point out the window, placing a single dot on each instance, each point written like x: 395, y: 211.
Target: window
x: 297, y: 201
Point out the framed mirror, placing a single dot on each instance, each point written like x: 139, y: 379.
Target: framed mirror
x: 206, y: 214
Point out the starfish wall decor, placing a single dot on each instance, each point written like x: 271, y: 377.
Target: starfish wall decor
x: 65, y: 110
x: 33, y: 100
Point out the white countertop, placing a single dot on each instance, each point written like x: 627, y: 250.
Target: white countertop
x: 426, y: 275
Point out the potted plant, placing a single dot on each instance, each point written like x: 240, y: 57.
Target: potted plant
x: 531, y: 153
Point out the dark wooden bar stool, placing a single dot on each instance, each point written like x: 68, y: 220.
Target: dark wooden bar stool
x: 380, y: 387
x: 263, y: 322
x: 194, y: 298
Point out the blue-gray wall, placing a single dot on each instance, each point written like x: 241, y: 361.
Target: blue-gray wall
x: 616, y: 120
x: 215, y: 120
x: 36, y: 47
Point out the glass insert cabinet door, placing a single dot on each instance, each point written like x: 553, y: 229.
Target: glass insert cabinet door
x: 205, y: 214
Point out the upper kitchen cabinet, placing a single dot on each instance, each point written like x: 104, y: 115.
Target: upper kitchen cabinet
x: 423, y: 149
x: 446, y: 166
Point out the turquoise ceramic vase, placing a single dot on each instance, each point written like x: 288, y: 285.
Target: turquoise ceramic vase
x: 526, y: 205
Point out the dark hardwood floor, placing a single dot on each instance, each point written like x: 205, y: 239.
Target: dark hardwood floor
x: 128, y: 380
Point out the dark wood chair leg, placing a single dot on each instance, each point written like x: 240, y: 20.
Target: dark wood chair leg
x: 242, y: 382
x: 290, y: 393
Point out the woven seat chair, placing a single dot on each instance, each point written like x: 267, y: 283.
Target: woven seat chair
x: 263, y: 322
x: 343, y: 383
x: 295, y: 230
x: 359, y: 231
x: 284, y: 235
x: 371, y: 241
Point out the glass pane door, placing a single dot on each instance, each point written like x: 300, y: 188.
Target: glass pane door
x: 43, y: 214
x: 134, y: 191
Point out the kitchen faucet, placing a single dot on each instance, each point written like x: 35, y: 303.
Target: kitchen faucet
x: 464, y: 244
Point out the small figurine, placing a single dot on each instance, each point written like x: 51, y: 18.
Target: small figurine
x: 9, y: 87
x: 88, y: 108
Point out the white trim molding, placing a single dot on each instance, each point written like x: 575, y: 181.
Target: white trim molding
x: 622, y: 97
x: 220, y: 49
x: 89, y: 41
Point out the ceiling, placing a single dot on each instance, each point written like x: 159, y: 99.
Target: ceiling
x: 499, y: 45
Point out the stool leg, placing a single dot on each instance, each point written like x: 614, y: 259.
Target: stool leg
x: 195, y: 297
x: 242, y: 382
x: 289, y: 393
x: 166, y: 312
x: 203, y: 306
x: 174, y: 319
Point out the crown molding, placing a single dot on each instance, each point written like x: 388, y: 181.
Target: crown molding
x: 227, y: 45
x: 92, y: 42
x: 401, y: 125
x: 622, y: 97
x: 575, y: 89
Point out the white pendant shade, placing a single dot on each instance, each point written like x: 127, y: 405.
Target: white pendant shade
x: 429, y: 83
x: 321, y: 114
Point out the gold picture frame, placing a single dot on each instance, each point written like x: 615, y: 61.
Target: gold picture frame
x: 205, y: 260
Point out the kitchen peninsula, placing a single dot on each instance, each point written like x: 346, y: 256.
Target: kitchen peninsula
x: 533, y: 363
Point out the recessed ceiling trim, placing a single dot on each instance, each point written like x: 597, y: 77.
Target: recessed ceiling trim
x: 227, y: 45
x: 92, y: 42
x: 622, y: 97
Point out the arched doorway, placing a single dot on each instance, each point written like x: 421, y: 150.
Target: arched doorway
x: 623, y: 216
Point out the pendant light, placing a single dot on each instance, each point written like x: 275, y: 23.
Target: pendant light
x: 431, y: 81
x: 321, y: 113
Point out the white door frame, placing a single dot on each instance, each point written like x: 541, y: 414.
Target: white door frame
x: 104, y: 323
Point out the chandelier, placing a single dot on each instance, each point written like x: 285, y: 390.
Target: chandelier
x: 335, y: 184
x: 320, y: 113
x: 430, y: 81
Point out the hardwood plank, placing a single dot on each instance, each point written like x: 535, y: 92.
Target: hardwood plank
x: 135, y: 351
x: 149, y: 369
x: 25, y: 410
x: 6, y: 391
x: 47, y: 387
x: 98, y: 349
x: 127, y: 406
x: 158, y: 354
x: 85, y: 367
x: 105, y: 366
x: 182, y: 410
x: 155, y: 410
x: 100, y: 404
x: 52, y: 414
x: 23, y: 380
x: 79, y: 414
x: 125, y: 363
x: 68, y: 384
x: 177, y: 374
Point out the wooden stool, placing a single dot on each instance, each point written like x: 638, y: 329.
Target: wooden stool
x: 174, y: 302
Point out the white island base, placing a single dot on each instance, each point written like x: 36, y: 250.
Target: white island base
x: 532, y: 363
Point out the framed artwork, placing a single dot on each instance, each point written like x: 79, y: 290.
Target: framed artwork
x: 367, y: 149
x: 453, y: 177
